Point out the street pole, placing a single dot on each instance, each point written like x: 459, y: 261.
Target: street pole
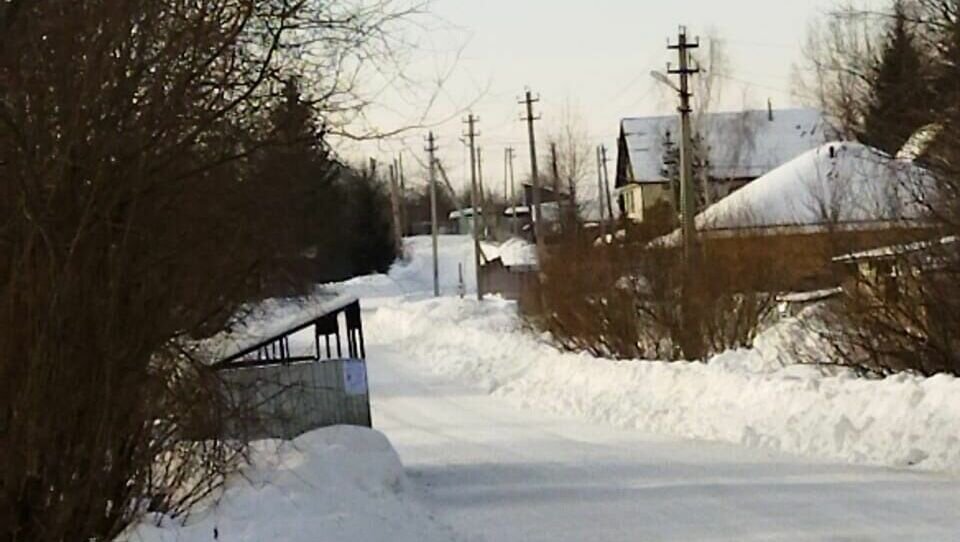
x: 506, y: 174
x: 513, y: 193
x: 601, y: 195
x: 687, y: 202
x: 529, y: 100
x: 395, y: 208
x: 471, y: 134
x: 555, y: 171
x: 431, y: 151
x: 606, y: 185
x: 404, y: 221
x: 483, y: 193
x: 691, y: 340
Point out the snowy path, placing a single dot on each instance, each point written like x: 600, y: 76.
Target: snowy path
x: 496, y: 472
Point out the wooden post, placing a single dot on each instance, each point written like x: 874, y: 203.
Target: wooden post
x: 395, y: 206
x: 431, y: 151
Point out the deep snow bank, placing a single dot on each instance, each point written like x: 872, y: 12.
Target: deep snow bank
x: 747, y: 397
x: 338, y: 483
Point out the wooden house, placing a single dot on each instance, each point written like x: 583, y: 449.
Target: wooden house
x: 732, y: 150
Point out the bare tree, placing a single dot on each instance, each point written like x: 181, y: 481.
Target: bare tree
x: 134, y: 216
x: 840, y: 56
x: 574, y: 160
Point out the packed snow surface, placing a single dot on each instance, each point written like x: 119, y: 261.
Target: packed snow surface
x: 335, y: 484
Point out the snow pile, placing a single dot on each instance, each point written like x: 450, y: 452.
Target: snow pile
x: 756, y: 398
x: 339, y: 483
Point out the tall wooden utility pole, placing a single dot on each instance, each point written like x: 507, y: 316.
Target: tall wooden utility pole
x: 446, y: 181
x: 484, y: 195
x: 513, y: 192
x: 471, y: 135
x: 600, y: 196
x: 395, y: 208
x: 687, y: 202
x: 529, y: 100
x: 606, y: 184
x: 506, y: 175
x: 555, y: 171
x: 404, y: 223
x: 483, y: 191
x: 431, y: 155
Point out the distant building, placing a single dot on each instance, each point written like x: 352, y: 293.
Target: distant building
x: 509, y: 269
x: 739, y: 147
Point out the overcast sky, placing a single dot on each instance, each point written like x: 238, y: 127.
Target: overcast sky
x: 594, y: 55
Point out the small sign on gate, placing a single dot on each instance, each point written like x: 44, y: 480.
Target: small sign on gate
x: 355, y: 377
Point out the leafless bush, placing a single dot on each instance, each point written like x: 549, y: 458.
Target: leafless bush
x: 900, y: 311
x: 641, y: 301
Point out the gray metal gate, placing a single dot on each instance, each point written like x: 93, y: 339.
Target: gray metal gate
x: 272, y: 391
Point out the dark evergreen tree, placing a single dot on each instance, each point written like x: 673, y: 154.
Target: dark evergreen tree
x: 901, y: 94
x: 306, y: 199
x: 368, y: 225
x: 670, y: 168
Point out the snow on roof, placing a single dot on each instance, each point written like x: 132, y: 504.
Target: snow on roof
x: 514, y: 252
x: 745, y: 144
x: 835, y: 183
x: 269, y: 320
x: 840, y: 183
x: 808, y: 297
x: 519, y: 210
x: 896, y: 250
x: 463, y: 213
x: 919, y: 142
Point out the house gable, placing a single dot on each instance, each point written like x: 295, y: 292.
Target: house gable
x: 740, y: 145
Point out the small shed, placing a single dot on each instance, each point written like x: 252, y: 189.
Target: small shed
x: 463, y: 220
x: 508, y: 268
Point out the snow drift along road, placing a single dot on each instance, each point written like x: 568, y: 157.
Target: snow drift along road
x: 751, y: 397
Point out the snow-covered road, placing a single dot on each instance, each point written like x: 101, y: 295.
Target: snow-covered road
x: 509, y: 440
x: 504, y: 438
x: 499, y: 473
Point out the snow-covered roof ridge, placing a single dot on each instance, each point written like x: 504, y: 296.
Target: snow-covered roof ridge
x: 893, y: 251
x: 839, y: 182
x: 741, y: 144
